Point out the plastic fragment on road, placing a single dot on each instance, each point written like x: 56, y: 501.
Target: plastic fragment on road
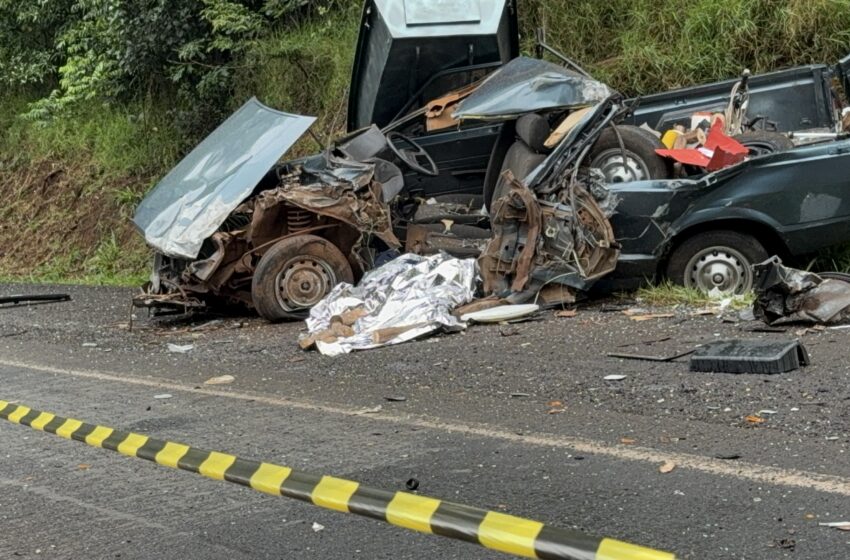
x: 180, y: 349
x: 501, y: 314
x: 407, y: 298
x: 220, y: 380
x: 750, y: 356
x: 843, y: 525
x: 667, y: 467
x: 614, y: 377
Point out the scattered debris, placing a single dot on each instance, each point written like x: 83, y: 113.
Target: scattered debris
x: 785, y: 544
x: 728, y: 457
x: 89, y: 345
x: 221, y: 380
x: 786, y: 295
x: 412, y: 485
x: 646, y: 342
x: 209, y: 325
x: 318, y: 527
x: 750, y: 356
x: 639, y: 357
x: 374, y: 410
x: 767, y: 412
x: 614, y: 377
x: 715, y: 151
x: 651, y: 316
x: 566, y: 313
x: 396, y: 399
x: 667, y: 467
x: 508, y: 331
x: 520, y: 395
x: 180, y: 349
x: 753, y: 419
x: 163, y: 396
x: 628, y: 441
x: 501, y: 314
x: 840, y: 525
x: 406, y: 298
x: 83, y: 467
x: 21, y: 300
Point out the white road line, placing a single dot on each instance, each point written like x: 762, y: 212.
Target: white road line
x: 740, y: 470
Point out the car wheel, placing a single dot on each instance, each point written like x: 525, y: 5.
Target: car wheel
x: 721, y: 260
x: 296, y: 274
x: 763, y: 142
x: 641, y: 164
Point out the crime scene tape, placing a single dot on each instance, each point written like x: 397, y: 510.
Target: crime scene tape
x: 490, y: 529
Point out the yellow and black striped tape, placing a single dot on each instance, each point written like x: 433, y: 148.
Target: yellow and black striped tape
x: 493, y: 530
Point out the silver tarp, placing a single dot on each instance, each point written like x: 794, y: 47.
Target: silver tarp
x: 198, y: 195
x: 406, y: 298
x: 525, y: 85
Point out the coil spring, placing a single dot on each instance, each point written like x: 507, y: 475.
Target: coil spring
x: 298, y: 220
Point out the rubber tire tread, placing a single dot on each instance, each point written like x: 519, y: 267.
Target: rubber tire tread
x: 777, y: 141
x: 263, y: 288
x: 641, y: 143
x: 747, y: 245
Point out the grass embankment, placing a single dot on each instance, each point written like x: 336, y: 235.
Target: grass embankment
x: 69, y: 187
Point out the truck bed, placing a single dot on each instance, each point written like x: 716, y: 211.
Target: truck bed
x: 796, y: 99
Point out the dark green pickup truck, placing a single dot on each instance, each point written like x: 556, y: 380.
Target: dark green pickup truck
x: 230, y: 223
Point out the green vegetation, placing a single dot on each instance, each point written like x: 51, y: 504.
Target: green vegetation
x: 643, y: 46
x: 667, y: 294
x: 101, y: 97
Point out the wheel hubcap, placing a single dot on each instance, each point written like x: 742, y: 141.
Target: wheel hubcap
x: 719, y: 268
x: 303, y: 283
x: 615, y: 170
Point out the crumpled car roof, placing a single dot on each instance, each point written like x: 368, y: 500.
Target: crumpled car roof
x: 198, y: 195
x: 527, y: 85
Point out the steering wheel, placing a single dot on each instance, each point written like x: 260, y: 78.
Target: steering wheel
x: 410, y: 155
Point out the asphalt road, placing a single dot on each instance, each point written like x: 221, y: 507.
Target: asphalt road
x: 475, y: 428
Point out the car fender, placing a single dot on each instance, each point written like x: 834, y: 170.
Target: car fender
x: 745, y: 220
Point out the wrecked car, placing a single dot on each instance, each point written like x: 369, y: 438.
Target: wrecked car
x: 522, y: 162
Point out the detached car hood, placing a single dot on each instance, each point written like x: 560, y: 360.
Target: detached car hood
x: 198, y: 195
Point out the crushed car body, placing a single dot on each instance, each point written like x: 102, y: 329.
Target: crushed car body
x: 521, y: 163
x: 785, y: 295
x: 301, y: 228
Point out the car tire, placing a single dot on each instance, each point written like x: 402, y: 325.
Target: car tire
x: 640, y: 145
x: 763, y: 142
x: 295, y: 274
x: 716, y: 259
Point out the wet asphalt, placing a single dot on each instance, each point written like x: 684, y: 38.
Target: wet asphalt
x: 516, y: 418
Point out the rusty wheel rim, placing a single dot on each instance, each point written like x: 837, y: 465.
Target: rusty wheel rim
x: 303, y: 282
